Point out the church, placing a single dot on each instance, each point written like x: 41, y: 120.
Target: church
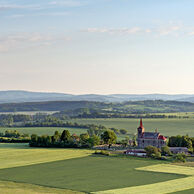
x: 145, y: 139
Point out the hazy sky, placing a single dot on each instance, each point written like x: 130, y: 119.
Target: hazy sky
x: 97, y: 46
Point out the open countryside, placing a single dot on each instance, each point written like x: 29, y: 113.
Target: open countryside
x: 165, y: 126
x: 168, y: 127
x: 81, y: 171
x: 96, y: 97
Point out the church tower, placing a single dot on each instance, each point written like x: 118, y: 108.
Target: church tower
x: 140, y: 129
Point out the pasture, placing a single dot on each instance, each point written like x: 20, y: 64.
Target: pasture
x: 12, y: 155
x: 74, y: 169
x: 44, y: 130
x: 45, y: 170
x: 165, y: 126
x: 169, y: 186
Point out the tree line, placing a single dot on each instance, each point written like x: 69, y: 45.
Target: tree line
x: 14, y: 136
x: 66, y: 140
x: 182, y: 141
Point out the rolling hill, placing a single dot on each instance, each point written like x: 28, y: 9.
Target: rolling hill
x: 15, y: 96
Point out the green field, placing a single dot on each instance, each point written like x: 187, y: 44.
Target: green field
x: 12, y: 155
x: 167, y: 127
x: 42, y: 170
x: 86, y: 173
x: 44, y: 130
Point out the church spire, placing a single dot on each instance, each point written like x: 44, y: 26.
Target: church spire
x: 141, y: 123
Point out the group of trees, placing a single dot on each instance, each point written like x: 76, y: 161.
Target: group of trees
x: 14, y: 136
x: 65, y: 139
x: 182, y: 141
x: 154, y: 152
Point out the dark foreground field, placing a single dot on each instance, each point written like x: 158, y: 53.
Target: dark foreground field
x: 88, y: 174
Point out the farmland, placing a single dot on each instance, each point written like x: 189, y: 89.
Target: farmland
x: 44, y: 130
x: 42, y: 170
x: 168, y: 127
x: 165, y: 126
x: 83, y: 172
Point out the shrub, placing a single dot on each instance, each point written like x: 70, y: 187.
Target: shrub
x: 123, y: 131
x: 157, y: 155
x: 152, y: 151
x: 165, y: 150
x: 102, y: 152
x: 181, y: 157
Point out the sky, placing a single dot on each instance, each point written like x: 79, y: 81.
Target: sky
x: 97, y: 46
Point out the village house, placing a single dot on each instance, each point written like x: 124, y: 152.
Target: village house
x: 136, y: 152
x: 177, y: 150
x: 145, y: 139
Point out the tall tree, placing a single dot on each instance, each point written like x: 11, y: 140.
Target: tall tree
x: 109, y: 137
x: 65, y: 136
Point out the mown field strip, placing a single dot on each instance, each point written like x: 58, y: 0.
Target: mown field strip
x: 7, y: 187
x: 23, y: 155
x: 162, y: 187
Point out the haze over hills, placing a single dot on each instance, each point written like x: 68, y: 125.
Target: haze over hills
x: 16, y: 96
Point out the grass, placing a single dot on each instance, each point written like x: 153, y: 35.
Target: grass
x: 182, y: 184
x: 12, y: 155
x: 88, y: 174
x: 44, y: 130
x: 165, y: 126
x: 187, y: 191
x: 21, y: 188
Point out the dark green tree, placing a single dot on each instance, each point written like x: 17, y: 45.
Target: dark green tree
x: 165, y: 150
x: 109, y: 137
x: 65, y: 136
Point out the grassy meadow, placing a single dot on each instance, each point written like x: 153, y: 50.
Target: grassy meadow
x: 12, y: 155
x: 165, y: 126
x: 44, y: 130
x: 45, y: 170
x: 75, y: 169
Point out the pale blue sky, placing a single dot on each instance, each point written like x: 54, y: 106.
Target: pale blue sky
x: 97, y: 46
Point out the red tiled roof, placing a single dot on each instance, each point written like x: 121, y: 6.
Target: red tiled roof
x: 162, y: 137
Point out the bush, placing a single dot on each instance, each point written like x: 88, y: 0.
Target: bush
x: 152, y: 151
x: 123, y: 131
x: 165, y: 151
x: 102, y: 152
x: 157, y: 155
x: 181, y: 157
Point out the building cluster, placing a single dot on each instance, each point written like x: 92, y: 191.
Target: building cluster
x: 145, y: 139
x: 155, y: 139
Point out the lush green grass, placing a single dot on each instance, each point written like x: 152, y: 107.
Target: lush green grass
x: 165, y: 126
x: 188, y: 191
x: 24, y: 188
x: 92, y: 173
x: 12, y: 155
x: 44, y: 130
x: 169, y: 186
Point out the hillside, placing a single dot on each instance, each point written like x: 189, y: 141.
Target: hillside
x: 77, y: 107
x: 16, y: 96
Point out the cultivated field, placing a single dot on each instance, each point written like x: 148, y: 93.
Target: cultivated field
x: 162, y: 187
x: 36, y: 170
x: 165, y: 126
x: 44, y: 130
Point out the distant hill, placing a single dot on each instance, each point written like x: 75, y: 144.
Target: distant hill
x: 129, y: 107
x: 15, y: 96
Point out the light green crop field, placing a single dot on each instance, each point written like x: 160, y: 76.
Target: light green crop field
x: 169, y: 186
x: 73, y: 169
x: 165, y: 126
x: 44, y: 130
x: 12, y: 155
